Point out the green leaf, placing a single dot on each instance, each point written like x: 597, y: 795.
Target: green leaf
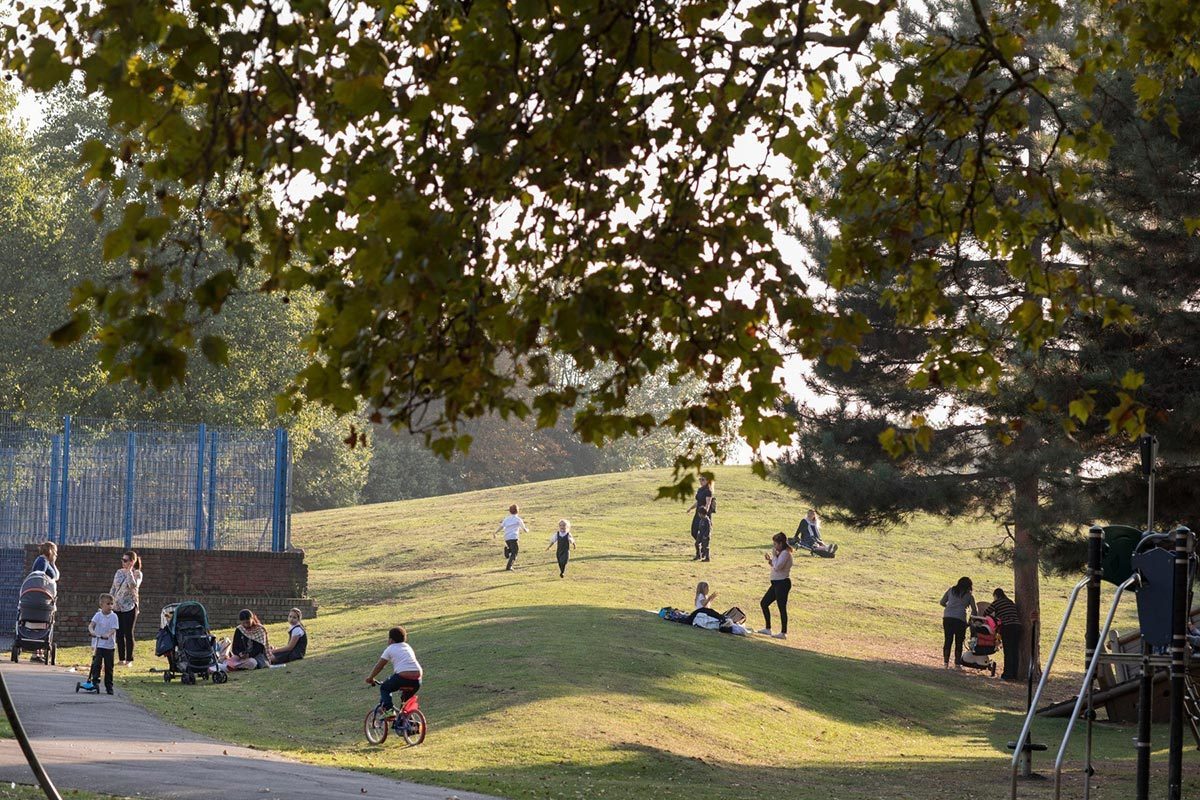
x: 72, y: 330
x: 215, y: 349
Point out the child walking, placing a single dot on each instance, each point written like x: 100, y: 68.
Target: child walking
x: 406, y: 671
x: 103, y: 629
x: 512, y: 525
x: 565, y: 541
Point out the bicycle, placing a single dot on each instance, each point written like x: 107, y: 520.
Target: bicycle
x: 410, y: 723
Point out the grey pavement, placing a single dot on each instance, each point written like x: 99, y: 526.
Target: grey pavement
x: 147, y: 757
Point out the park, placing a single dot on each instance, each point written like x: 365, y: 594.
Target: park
x: 323, y: 324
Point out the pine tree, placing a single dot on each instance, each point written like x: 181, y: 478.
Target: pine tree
x: 1031, y: 453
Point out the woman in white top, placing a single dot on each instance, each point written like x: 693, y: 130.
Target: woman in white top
x: 512, y: 525
x: 125, y: 590
x: 780, y: 559
x: 297, y: 644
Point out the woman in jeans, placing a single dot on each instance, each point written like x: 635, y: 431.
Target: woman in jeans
x: 780, y: 559
x: 125, y: 586
x: 957, y: 601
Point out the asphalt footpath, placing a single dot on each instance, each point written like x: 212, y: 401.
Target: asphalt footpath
x: 143, y: 756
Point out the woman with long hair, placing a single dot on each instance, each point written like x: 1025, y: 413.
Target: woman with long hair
x: 126, y: 586
x: 780, y: 559
x: 250, y: 649
x: 957, y: 601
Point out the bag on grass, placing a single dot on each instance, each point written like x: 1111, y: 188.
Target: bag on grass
x: 706, y: 622
x: 165, y: 642
x: 735, y: 615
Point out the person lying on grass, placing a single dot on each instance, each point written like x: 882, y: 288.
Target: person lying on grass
x: 406, y: 671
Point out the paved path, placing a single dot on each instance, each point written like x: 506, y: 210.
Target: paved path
x: 146, y: 757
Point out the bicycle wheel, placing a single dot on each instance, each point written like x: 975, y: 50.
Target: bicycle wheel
x: 375, y: 726
x: 413, y: 729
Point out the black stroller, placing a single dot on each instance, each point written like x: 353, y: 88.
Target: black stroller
x: 36, y: 607
x: 190, y: 648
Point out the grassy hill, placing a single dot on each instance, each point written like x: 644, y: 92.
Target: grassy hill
x: 550, y: 688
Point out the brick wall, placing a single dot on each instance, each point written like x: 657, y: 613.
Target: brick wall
x: 225, y: 581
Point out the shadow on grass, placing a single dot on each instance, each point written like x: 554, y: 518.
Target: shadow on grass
x: 644, y: 771
x: 486, y: 661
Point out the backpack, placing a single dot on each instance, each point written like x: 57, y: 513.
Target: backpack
x: 165, y: 643
x: 712, y: 505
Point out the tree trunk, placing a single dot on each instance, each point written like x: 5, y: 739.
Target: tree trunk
x: 1025, y: 564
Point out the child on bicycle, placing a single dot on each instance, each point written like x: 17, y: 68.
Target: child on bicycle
x: 406, y: 671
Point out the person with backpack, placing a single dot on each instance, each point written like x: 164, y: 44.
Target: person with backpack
x: 704, y: 507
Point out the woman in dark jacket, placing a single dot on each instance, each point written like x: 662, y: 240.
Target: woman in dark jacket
x: 250, y: 647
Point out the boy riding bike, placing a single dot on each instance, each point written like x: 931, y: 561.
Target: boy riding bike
x: 406, y: 671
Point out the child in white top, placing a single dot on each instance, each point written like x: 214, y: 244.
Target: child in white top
x: 566, y: 542
x: 103, y: 629
x: 406, y: 670
x: 703, y: 598
x: 512, y: 525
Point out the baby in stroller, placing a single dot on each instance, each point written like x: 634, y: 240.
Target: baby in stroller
x: 981, y: 645
x: 808, y: 537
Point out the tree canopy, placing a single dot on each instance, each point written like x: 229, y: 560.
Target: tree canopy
x: 471, y: 187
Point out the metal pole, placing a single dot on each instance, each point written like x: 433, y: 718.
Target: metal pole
x: 1037, y: 695
x: 1085, y: 690
x: 1178, y: 643
x: 285, y: 484
x: 1145, y: 720
x: 276, y: 500
x: 52, y: 500
x: 130, y: 479
x: 212, y: 490
x: 198, y: 523
x: 1092, y: 636
x: 64, y: 504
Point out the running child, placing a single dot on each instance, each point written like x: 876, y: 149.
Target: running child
x: 566, y: 542
x: 406, y: 671
x: 512, y: 525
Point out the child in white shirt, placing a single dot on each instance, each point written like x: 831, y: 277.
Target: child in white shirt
x: 406, y: 671
x: 512, y: 525
x: 103, y: 629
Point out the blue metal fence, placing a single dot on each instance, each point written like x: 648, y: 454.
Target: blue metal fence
x: 137, y: 484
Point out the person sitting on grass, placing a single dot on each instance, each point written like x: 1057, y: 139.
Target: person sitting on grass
x: 251, y: 649
x: 703, y: 598
x: 297, y: 644
x: 406, y: 671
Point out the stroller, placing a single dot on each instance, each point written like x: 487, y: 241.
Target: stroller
x: 981, y: 645
x: 36, y: 608
x: 190, y: 648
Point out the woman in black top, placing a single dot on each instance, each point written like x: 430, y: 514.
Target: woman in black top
x: 1011, y: 632
x: 702, y: 519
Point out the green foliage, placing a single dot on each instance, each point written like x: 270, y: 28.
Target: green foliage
x: 469, y: 185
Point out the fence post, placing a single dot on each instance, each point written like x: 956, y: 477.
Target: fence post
x: 64, y: 504
x: 130, y: 477
x: 198, y: 527
x: 277, y: 499
x: 52, y: 500
x: 285, y: 503
x: 212, y: 490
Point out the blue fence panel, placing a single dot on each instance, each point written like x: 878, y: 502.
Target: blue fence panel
x: 136, y: 484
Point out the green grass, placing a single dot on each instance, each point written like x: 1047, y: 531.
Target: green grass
x: 541, y: 687
x: 20, y: 791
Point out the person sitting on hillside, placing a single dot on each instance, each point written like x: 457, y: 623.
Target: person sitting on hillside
x: 297, y: 644
x: 703, y: 598
x: 808, y: 536
x: 251, y: 650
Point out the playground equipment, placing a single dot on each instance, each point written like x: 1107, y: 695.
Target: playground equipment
x: 1160, y: 568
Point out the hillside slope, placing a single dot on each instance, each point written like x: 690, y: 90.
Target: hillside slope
x: 545, y: 687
